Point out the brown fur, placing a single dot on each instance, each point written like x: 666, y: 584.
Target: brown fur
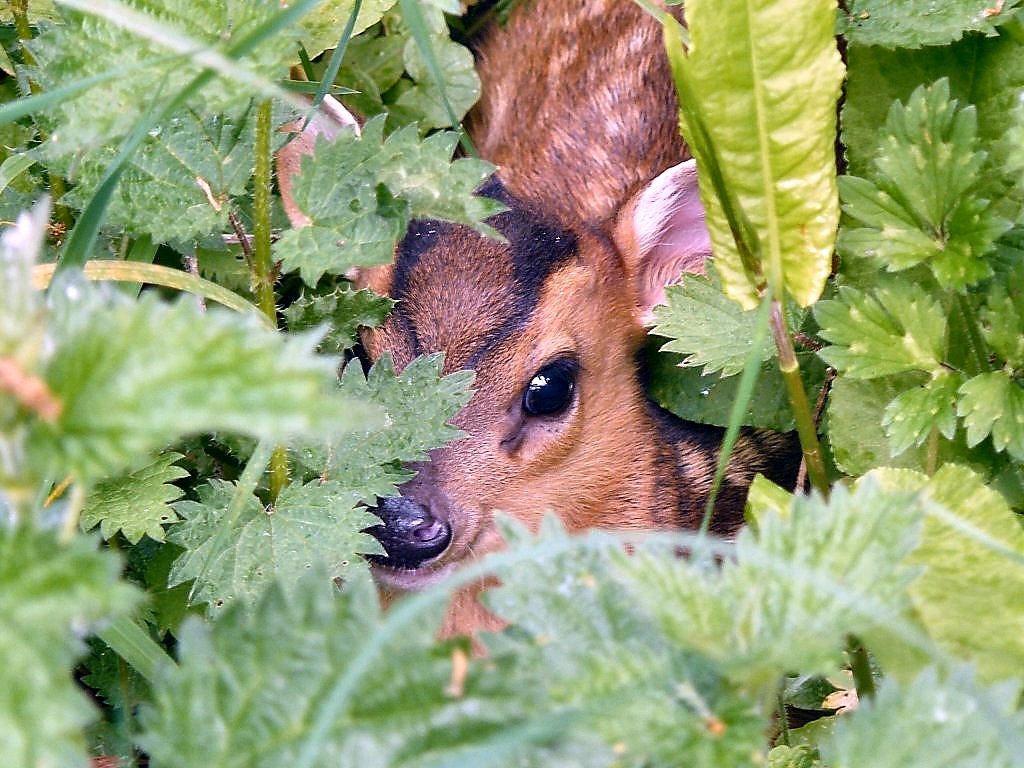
x: 580, y: 115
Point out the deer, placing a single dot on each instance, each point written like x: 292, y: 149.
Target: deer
x: 579, y: 114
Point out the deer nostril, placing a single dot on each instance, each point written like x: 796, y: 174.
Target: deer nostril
x: 409, y: 533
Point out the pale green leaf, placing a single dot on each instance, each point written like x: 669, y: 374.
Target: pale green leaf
x: 50, y: 594
x: 312, y: 525
x: 792, y: 757
x: 898, y: 328
x: 931, y: 722
x: 916, y: 23
x: 972, y: 550
x: 922, y: 203
x: 910, y: 418
x: 132, y: 377
x: 766, y: 76
x: 993, y: 404
x: 344, y: 311
x: 137, y: 504
x: 321, y: 29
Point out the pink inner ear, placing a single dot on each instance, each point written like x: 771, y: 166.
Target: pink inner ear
x: 669, y: 233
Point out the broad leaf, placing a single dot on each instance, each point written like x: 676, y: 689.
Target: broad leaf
x: 971, y: 553
x: 322, y: 27
x: 761, y: 84
x: 236, y: 556
x: 137, y: 504
x: 49, y: 595
x: 910, y: 418
x: 916, y: 23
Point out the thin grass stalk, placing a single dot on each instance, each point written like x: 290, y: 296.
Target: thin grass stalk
x: 800, y: 406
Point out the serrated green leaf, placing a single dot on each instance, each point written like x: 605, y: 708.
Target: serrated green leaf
x: 972, y: 554
x: 910, y: 418
x: 766, y: 76
x: 993, y: 404
x: 798, y: 586
x: 916, y: 23
x: 137, y: 504
x: 360, y: 193
x: 345, y: 311
x: 316, y: 524
x: 931, y: 723
x: 249, y: 687
x: 987, y: 72
x: 1003, y: 318
x: 132, y: 377
x: 419, y: 403
x: 922, y: 203
x: 50, y: 594
x: 707, y: 326
x: 182, y: 181
x: 898, y: 328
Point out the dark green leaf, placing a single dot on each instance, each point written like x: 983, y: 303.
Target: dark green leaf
x: 917, y: 23
x: 344, y: 311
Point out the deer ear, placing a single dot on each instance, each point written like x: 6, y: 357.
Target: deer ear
x: 327, y: 121
x: 661, y: 234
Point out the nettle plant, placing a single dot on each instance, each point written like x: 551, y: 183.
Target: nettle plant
x: 183, y: 473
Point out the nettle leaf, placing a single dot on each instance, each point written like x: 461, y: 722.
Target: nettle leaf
x: 361, y: 192
x: 922, y: 203
x: 993, y: 404
x: 799, y: 584
x: 916, y: 23
x: 584, y: 646
x: 774, y: 146
x: 236, y: 548
x: 181, y: 182
x: 936, y: 721
x: 133, y: 376
x: 50, y: 595
x: 910, y: 418
x: 158, y: 54
x: 344, y: 311
x: 249, y: 688
x: 137, y: 504
x: 972, y: 553
x: 898, y: 328
x: 1003, y: 318
x: 419, y: 403
x: 709, y: 327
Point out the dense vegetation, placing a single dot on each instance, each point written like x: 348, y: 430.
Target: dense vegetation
x: 181, y: 579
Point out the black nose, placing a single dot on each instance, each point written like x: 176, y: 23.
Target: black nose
x: 409, y: 533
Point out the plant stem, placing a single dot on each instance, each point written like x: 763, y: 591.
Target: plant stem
x: 790, y: 369
x: 263, y: 261
x: 129, y: 641
x: 860, y: 666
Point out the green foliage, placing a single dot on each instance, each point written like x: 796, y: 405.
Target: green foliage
x: 361, y: 191
x: 138, y: 504
x: 50, y: 593
x: 155, y: 419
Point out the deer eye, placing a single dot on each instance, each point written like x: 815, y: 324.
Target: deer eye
x: 550, y: 391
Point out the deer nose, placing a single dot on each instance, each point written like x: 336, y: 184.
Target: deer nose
x: 408, y: 532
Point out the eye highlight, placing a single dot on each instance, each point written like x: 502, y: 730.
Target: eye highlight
x: 550, y: 391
